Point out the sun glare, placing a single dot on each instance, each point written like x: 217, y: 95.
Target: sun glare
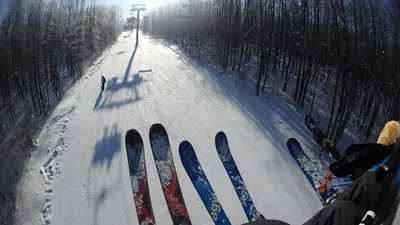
x: 154, y: 3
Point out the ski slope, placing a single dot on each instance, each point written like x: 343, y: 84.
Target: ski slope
x: 79, y: 174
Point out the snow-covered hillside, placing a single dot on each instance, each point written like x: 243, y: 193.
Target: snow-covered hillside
x: 79, y: 174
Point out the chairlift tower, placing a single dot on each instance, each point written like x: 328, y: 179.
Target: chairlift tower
x: 138, y: 8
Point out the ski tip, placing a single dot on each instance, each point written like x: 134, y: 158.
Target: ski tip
x: 133, y: 138
x: 184, y: 146
x: 293, y: 141
x: 157, y: 128
x: 220, y: 136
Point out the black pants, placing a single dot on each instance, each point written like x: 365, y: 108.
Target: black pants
x: 350, y: 206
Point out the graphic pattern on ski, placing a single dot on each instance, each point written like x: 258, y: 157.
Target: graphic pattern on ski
x: 138, y: 176
x: 201, y: 183
x: 321, y: 138
x: 309, y: 170
x: 221, y: 143
x: 167, y: 173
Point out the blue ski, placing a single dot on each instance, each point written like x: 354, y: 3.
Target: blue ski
x: 221, y: 143
x: 200, y: 182
x: 309, y: 170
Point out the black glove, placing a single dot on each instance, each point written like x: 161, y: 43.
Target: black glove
x: 359, y: 158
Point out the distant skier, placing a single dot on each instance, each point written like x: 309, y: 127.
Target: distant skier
x: 103, y: 81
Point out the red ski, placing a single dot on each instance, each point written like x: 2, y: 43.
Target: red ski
x: 167, y: 174
x: 138, y: 176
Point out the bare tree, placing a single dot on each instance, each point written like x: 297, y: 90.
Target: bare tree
x: 43, y: 46
x: 348, y: 48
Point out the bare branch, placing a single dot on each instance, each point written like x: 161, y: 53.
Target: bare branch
x: 9, y: 52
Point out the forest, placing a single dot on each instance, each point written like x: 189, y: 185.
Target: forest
x: 351, y: 47
x: 44, y: 48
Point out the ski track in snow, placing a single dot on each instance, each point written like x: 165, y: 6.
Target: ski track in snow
x: 80, y: 174
x: 51, y: 169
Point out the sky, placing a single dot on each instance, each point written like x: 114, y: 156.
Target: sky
x: 3, y: 7
x: 126, y: 4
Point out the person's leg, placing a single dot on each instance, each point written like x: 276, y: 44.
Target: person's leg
x: 338, y: 213
x: 390, y: 207
x: 361, y: 191
x: 351, y: 205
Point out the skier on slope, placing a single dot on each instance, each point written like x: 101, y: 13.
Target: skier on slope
x: 357, y: 199
x: 103, y: 81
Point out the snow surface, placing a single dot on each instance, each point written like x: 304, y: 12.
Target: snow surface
x: 80, y: 175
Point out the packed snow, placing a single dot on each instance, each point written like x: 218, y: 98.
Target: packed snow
x: 79, y: 173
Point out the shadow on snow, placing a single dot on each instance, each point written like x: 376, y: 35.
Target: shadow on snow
x: 107, y: 147
x: 98, y: 99
x: 99, y: 201
x: 129, y: 88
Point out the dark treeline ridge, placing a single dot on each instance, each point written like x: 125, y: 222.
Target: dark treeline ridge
x: 350, y: 47
x: 44, y: 47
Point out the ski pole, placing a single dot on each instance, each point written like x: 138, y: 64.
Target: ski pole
x: 326, y: 183
x: 339, y: 184
x: 335, y: 177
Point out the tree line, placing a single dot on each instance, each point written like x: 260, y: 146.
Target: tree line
x: 350, y: 47
x: 44, y: 47
x: 44, y: 44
